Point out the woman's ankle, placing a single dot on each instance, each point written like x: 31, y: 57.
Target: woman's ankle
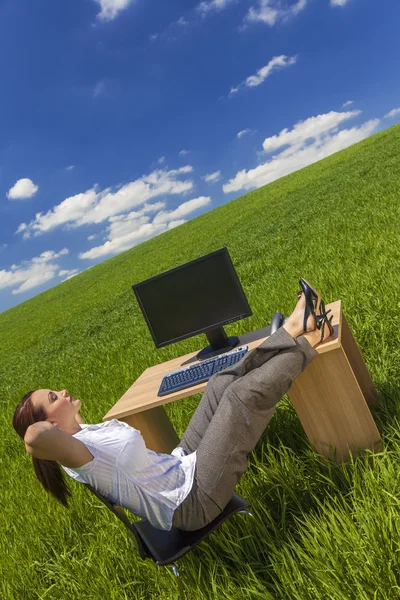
x: 292, y: 327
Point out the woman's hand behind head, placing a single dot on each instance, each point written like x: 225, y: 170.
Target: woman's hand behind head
x: 48, y: 442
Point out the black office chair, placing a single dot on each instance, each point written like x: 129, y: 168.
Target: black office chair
x: 165, y: 547
x: 277, y: 321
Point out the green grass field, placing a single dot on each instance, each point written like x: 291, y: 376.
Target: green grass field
x: 321, y: 530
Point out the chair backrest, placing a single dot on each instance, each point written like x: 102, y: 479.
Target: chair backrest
x: 162, y: 546
x: 119, y: 513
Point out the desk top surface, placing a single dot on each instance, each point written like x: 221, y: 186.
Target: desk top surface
x: 142, y: 395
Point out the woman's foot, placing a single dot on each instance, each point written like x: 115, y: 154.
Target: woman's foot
x: 320, y: 334
x: 314, y: 303
x: 294, y: 324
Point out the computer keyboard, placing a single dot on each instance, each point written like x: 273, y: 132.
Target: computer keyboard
x: 194, y: 374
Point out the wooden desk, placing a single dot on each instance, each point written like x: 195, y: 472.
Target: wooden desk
x: 331, y: 397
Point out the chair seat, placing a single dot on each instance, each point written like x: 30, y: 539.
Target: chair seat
x: 164, y: 547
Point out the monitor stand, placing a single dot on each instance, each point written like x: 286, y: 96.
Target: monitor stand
x: 219, y: 343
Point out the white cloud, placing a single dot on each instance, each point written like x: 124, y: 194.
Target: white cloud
x: 272, y: 11
x: 143, y: 232
x: 122, y: 225
x: 161, y: 160
x: 393, y: 113
x: 308, y: 142
x: 275, y: 64
x: 49, y: 255
x: 305, y: 130
x: 182, y: 210
x: 32, y: 273
x: 109, y: 9
x: 94, y: 206
x: 92, y: 237
x: 184, y: 152
x: 70, y: 276
x: 24, y: 188
x: 23, y: 228
x: 126, y: 231
x: 99, y: 89
x: 68, y: 272
x: 173, y: 224
x: 212, y: 5
x: 70, y: 168
x: 348, y: 103
x: 181, y: 24
x: 243, y: 132
x: 212, y: 177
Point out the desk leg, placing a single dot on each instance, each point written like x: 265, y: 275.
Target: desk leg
x: 156, y: 429
x: 332, y: 408
x: 358, y: 365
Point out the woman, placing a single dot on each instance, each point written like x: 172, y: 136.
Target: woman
x: 191, y: 486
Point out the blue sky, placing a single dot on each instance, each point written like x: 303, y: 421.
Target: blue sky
x: 123, y: 118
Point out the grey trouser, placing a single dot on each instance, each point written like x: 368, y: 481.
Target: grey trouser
x: 235, y: 409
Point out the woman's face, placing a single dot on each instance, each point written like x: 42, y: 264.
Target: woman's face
x: 61, y: 408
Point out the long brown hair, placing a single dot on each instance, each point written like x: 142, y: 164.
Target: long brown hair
x: 48, y: 472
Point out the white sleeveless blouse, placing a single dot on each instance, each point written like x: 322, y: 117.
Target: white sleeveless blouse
x: 149, y: 484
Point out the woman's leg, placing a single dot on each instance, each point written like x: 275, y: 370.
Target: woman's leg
x: 243, y: 412
x: 219, y: 383
x: 214, y: 392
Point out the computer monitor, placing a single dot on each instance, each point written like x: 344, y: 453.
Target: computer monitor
x: 200, y: 296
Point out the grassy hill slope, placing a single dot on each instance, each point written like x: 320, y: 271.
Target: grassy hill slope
x: 335, y: 223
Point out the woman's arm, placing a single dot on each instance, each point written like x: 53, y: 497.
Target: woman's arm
x: 47, y: 442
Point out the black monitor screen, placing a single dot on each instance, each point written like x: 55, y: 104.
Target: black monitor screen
x: 198, y: 296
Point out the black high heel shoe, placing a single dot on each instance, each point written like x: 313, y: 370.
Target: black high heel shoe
x: 322, y: 321
x: 316, y: 307
x: 314, y: 304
